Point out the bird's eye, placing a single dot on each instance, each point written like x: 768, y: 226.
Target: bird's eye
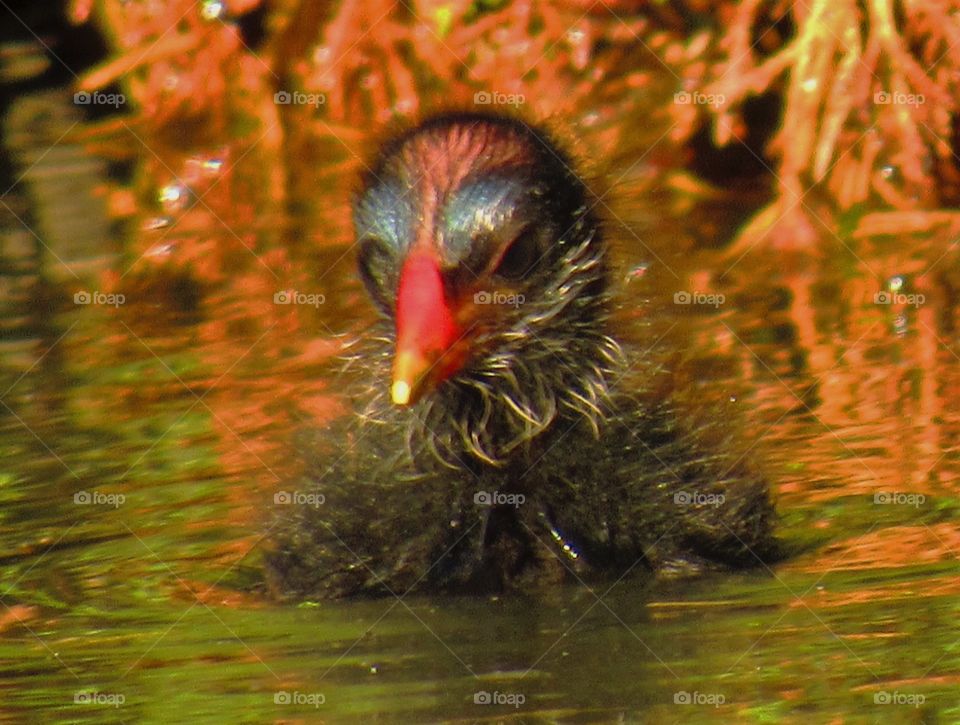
x: 377, y: 266
x: 520, y: 257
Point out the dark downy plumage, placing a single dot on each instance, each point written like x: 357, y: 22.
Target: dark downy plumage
x: 522, y: 439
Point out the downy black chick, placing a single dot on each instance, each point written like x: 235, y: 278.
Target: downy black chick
x: 505, y: 433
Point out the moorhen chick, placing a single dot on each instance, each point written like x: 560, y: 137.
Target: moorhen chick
x: 501, y: 433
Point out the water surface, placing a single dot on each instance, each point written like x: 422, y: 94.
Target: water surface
x: 143, y: 441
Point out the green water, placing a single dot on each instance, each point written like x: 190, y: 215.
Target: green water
x: 141, y: 445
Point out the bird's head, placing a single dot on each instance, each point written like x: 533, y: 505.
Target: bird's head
x: 477, y: 240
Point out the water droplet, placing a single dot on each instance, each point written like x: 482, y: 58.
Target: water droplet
x: 896, y: 283
x: 733, y: 398
x: 161, y: 250
x: 204, y: 166
x: 567, y: 549
x: 889, y: 172
x: 637, y: 272
x: 590, y: 119
x: 810, y: 85
x: 212, y: 9
x: 173, y: 197
x: 157, y: 222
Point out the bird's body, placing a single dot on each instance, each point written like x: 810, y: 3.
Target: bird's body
x: 521, y: 437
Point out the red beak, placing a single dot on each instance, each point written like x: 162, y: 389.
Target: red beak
x: 427, y: 330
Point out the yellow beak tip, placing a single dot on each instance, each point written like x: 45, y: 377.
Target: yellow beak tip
x: 400, y: 392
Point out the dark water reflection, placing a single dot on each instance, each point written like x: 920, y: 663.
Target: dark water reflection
x: 143, y: 443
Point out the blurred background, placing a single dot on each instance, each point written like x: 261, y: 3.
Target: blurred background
x: 779, y: 179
